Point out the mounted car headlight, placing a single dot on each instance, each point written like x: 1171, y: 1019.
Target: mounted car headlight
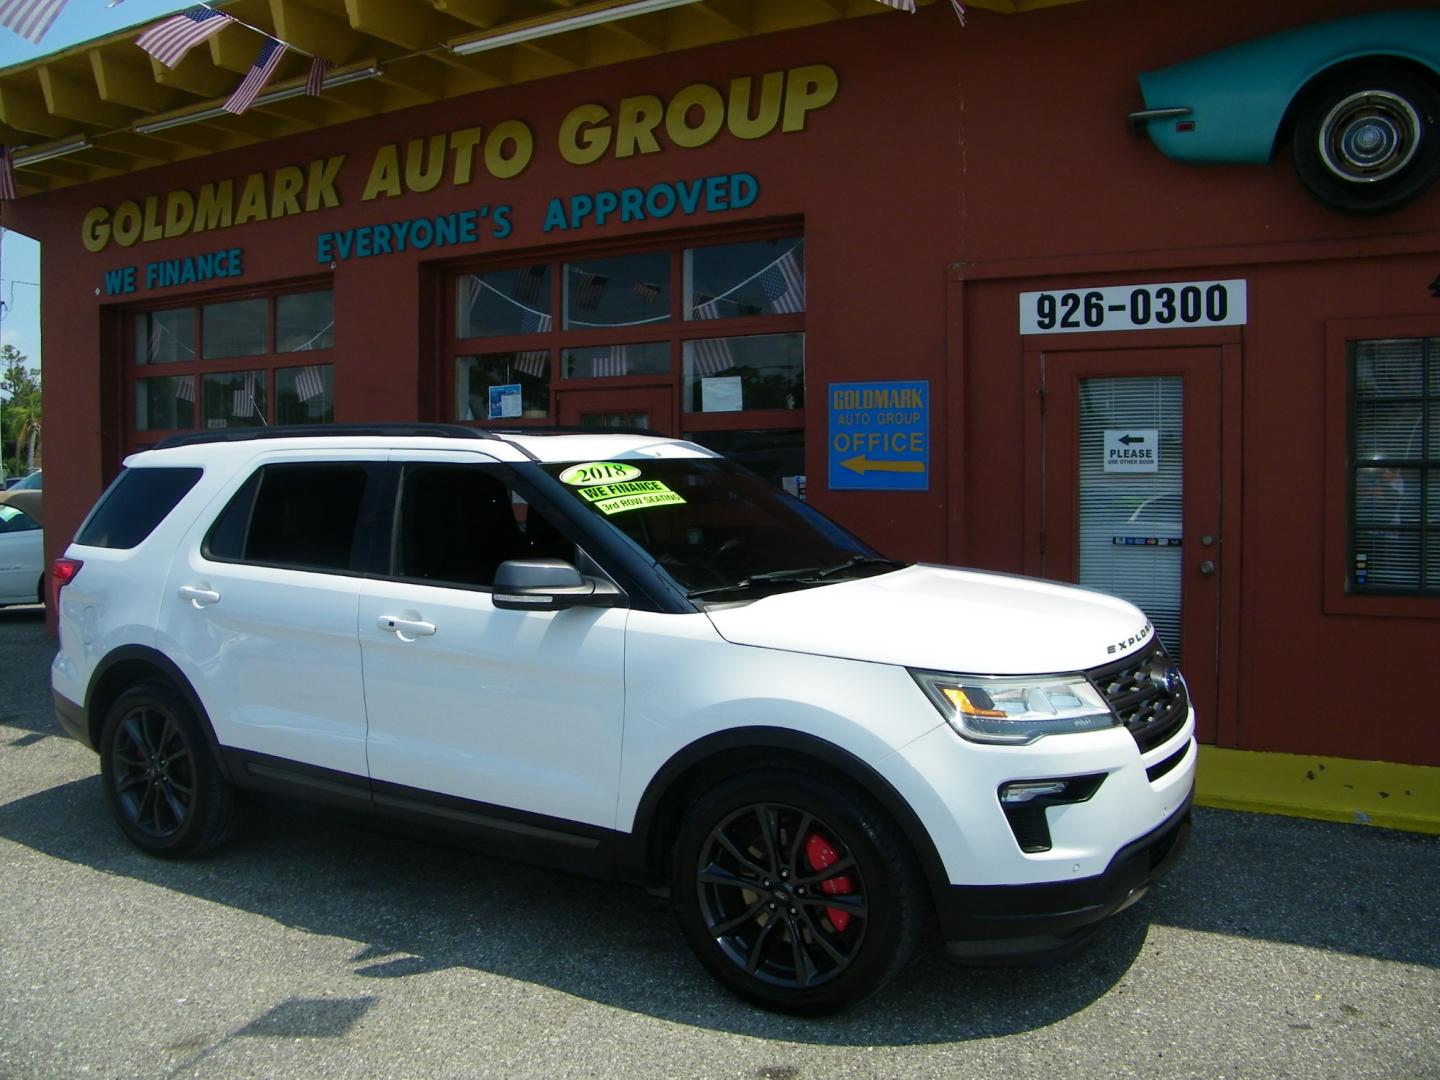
x: 1016, y: 710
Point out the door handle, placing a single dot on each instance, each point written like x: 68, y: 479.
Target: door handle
x: 1207, y: 568
x: 199, y: 597
x: 405, y: 629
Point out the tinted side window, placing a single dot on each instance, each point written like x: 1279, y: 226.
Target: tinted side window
x: 457, y: 524
x: 133, y: 505
x: 298, y: 515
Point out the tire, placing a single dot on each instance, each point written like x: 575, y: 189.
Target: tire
x: 796, y: 892
x: 161, y: 780
x: 1367, y: 141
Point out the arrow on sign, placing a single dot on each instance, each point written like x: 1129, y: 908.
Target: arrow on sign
x: 1128, y: 439
x: 861, y: 464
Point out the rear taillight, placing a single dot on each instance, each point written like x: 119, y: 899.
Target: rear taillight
x: 63, y: 572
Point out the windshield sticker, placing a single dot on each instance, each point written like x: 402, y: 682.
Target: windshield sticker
x: 630, y: 495
x: 598, y: 472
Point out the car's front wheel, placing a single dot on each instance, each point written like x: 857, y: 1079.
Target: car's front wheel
x: 795, y: 892
x: 161, y: 780
x: 1368, y: 140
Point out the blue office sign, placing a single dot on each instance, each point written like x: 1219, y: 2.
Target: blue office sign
x: 879, y: 436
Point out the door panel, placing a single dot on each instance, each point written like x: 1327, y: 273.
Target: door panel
x: 520, y: 709
x: 271, y: 649
x: 1132, y: 492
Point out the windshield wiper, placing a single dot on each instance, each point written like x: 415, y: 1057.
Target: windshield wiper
x: 803, y: 575
x: 859, y: 560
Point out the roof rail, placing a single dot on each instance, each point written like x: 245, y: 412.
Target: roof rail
x: 574, y: 430
x: 302, y: 431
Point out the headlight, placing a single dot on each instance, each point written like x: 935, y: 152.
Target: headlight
x: 1018, y: 710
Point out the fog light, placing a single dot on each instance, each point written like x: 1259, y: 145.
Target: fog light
x: 1025, y: 802
x: 1022, y: 791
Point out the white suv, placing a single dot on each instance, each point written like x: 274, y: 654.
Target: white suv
x: 623, y: 655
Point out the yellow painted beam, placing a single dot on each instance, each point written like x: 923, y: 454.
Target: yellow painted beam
x: 27, y: 112
x: 314, y: 31
x: 410, y: 27
x: 130, y: 84
x: 481, y: 13
x: 1331, y: 789
x: 77, y: 99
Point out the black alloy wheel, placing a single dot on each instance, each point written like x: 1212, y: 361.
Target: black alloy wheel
x: 797, y: 894
x: 1367, y: 140
x: 161, y: 781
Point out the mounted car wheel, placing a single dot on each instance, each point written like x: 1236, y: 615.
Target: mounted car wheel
x: 1368, y: 140
x: 797, y: 893
x: 161, y: 780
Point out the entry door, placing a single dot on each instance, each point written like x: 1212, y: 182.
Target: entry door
x: 1132, y: 492
x: 623, y: 407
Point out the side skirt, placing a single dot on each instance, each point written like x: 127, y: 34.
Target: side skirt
x: 557, y: 843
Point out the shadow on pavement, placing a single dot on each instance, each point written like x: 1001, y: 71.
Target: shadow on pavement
x: 417, y: 908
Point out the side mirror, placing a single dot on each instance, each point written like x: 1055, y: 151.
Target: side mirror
x: 549, y: 585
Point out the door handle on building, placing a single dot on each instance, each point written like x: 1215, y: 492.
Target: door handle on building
x: 1207, y: 568
x: 199, y: 597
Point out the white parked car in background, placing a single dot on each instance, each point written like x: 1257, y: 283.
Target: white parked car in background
x: 22, y: 550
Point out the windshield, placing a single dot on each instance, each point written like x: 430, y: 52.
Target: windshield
x: 719, y: 531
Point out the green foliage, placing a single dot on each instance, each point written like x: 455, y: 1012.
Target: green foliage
x: 19, y: 411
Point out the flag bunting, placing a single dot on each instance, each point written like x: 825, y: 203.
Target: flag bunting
x: 7, y: 173
x: 266, y: 61
x: 170, y: 40
x: 30, y: 18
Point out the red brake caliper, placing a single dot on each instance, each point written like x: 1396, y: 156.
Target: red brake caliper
x: 820, y: 855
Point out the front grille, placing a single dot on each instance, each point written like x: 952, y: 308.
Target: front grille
x: 1146, y: 692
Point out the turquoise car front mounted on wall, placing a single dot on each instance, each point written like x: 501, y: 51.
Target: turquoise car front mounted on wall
x: 1358, y: 99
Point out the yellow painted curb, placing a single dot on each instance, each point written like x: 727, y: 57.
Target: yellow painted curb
x: 1332, y: 789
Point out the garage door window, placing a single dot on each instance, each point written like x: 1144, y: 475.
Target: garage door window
x: 234, y: 363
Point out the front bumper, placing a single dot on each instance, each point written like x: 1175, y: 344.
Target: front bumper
x: 997, y: 923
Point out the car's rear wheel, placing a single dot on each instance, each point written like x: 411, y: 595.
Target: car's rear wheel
x: 1367, y: 140
x: 161, y: 781
x: 797, y: 893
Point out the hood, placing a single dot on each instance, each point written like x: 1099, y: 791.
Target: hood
x: 944, y: 619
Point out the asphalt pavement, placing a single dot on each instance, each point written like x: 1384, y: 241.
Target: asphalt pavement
x: 312, y: 948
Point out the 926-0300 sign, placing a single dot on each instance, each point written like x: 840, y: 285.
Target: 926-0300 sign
x: 1172, y: 305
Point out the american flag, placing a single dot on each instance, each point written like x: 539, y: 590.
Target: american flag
x: 590, y: 290
x: 271, y: 53
x: 534, y: 362
x: 535, y: 322
x: 710, y: 356
x: 527, y: 285
x: 900, y: 5
x: 646, y: 290
x: 29, y: 18
x: 612, y: 361
x: 244, y: 398
x: 475, y: 285
x: 705, y: 307
x: 170, y: 40
x: 185, y: 388
x: 315, y: 81
x: 7, y: 173
x: 310, y: 383
x: 783, y: 283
